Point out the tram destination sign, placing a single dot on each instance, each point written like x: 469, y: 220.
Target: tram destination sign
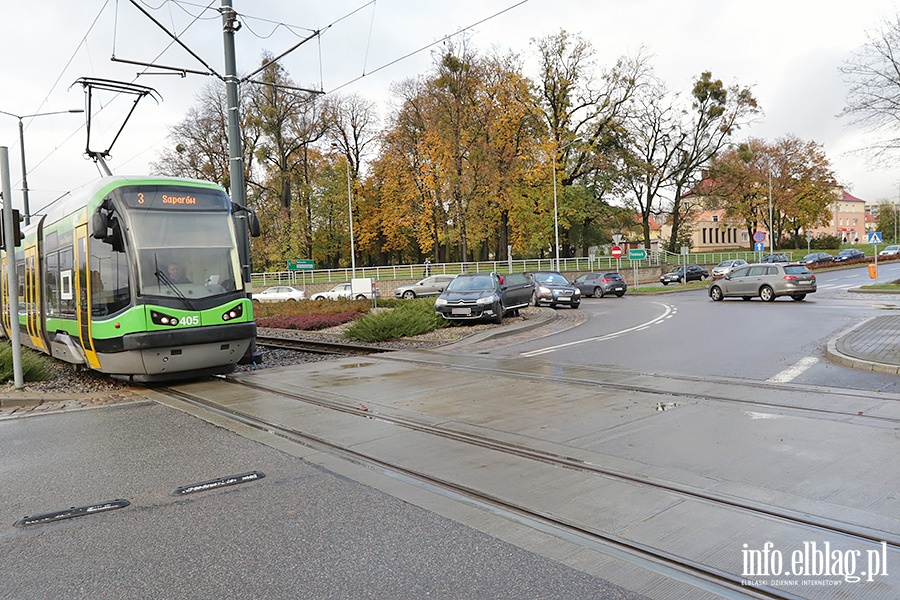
x: 174, y: 198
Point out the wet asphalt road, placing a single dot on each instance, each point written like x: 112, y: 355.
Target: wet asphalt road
x: 300, y: 532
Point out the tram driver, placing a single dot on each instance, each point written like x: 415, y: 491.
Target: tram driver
x: 176, y: 274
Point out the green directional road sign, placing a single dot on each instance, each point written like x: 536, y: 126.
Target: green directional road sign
x: 637, y: 254
x: 301, y: 265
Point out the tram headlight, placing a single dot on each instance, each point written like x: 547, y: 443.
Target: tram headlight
x: 233, y: 313
x: 159, y: 318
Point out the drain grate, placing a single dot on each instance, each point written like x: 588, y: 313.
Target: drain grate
x: 71, y: 513
x: 219, y: 483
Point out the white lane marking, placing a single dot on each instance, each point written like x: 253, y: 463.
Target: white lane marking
x: 794, y: 371
x: 666, y: 313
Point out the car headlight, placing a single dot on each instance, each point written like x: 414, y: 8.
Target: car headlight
x: 577, y: 292
x: 486, y: 300
x: 544, y: 291
x: 440, y: 302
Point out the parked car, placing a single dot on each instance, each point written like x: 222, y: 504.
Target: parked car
x: 816, y: 258
x: 848, y: 254
x: 279, y: 293
x: 553, y: 288
x: 775, y: 258
x: 490, y: 296
x: 600, y: 284
x: 430, y: 286
x: 768, y: 281
x: 726, y: 266
x: 344, y: 290
x: 891, y: 250
x: 680, y: 274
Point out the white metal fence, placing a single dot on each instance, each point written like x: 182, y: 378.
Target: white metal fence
x: 417, y: 271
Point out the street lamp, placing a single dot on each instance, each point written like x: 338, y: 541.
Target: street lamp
x: 22, y: 149
x: 555, y: 209
x: 350, y: 205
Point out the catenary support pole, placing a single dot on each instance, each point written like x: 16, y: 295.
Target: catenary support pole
x: 230, y: 24
x: 12, y: 280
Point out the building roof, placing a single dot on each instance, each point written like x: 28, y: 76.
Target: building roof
x: 848, y: 197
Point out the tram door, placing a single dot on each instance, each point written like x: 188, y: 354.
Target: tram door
x: 83, y: 294
x: 32, y: 298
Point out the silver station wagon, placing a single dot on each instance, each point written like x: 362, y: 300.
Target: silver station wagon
x: 768, y: 281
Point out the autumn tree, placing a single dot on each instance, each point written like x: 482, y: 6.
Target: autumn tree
x: 794, y: 175
x: 583, y: 109
x: 716, y: 113
x: 198, y: 145
x: 669, y: 141
x: 887, y: 221
x: 288, y: 122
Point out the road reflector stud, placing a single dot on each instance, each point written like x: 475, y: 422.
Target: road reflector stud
x: 218, y: 483
x: 71, y: 513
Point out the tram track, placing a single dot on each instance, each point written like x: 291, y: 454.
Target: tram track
x: 345, y: 348
x: 763, y: 387
x: 663, y: 562
x: 792, y: 517
x: 318, y: 346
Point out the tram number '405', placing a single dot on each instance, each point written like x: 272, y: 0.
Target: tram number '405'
x: 190, y: 320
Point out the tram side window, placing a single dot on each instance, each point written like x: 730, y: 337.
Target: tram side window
x: 110, y: 289
x: 53, y: 284
x: 20, y: 277
x: 66, y: 283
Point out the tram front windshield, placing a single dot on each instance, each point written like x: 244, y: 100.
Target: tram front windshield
x: 190, y: 255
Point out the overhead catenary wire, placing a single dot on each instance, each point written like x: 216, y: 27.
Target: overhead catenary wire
x: 427, y: 46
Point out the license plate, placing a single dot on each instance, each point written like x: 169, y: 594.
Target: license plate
x: 460, y: 311
x: 806, y: 283
x: 565, y: 298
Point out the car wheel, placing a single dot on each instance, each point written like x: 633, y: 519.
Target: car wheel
x: 409, y: 295
x: 746, y: 298
x: 620, y: 294
x: 319, y: 298
x: 498, y: 310
x: 767, y: 294
x: 715, y: 292
x: 360, y: 297
x: 575, y: 304
x: 665, y: 282
x: 598, y: 292
x: 536, y: 299
x: 798, y: 297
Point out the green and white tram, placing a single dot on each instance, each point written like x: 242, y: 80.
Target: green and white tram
x: 135, y: 277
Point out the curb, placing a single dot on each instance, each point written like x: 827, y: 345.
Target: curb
x: 846, y: 360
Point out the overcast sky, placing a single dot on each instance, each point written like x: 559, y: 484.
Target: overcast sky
x: 788, y: 51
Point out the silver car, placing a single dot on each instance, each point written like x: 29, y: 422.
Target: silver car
x: 430, y: 286
x: 727, y: 266
x: 768, y: 281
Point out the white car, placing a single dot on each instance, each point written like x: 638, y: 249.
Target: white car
x: 344, y: 290
x: 279, y: 293
x: 890, y: 251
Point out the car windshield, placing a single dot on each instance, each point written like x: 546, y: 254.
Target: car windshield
x: 471, y: 284
x: 551, y: 278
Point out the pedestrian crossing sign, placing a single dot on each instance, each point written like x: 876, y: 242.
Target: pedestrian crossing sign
x: 874, y: 237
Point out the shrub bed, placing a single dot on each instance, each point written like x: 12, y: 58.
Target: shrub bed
x: 308, y: 322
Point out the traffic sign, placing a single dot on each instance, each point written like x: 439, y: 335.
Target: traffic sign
x: 759, y: 247
x: 875, y: 237
x: 637, y: 254
x: 759, y: 236
x: 301, y: 265
x: 616, y: 252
